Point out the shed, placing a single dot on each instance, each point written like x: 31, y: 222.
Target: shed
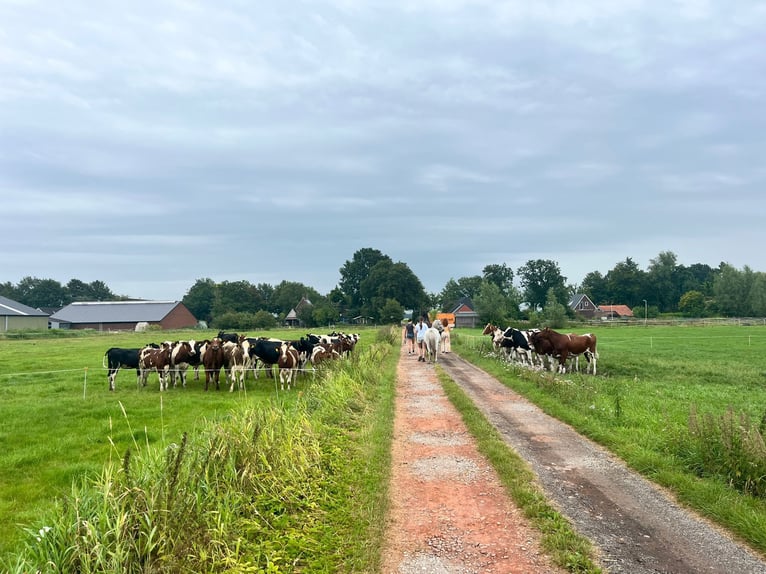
x: 123, y: 315
x: 615, y: 311
x: 464, y: 313
x: 15, y: 316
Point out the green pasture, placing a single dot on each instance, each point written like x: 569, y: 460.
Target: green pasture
x: 685, y: 406
x: 60, y: 422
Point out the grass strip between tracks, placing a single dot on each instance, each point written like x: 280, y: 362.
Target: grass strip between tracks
x: 559, y: 540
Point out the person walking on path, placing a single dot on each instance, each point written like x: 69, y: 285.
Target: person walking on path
x: 445, y: 341
x: 408, y: 337
x: 420, y: 333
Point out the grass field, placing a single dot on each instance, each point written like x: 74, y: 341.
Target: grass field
x: 59, y: 420
x: 686, y: 406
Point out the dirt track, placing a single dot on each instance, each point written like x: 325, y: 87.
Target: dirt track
x: 636, y: 527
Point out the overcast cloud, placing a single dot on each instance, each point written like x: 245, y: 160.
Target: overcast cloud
x: 150, y: 144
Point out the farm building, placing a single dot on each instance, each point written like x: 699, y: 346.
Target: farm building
x: 615, y: 311
x: 292, y: 319
x: 583, y: 306
x: 17, y: 317
x: 464, y: 313
x: 123, y: 315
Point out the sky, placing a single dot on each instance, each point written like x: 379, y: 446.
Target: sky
x: 149, y: 144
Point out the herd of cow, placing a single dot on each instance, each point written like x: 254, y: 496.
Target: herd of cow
x: 235, y: 354
x: 536, y: 346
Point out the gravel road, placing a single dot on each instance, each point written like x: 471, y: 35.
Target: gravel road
x: 636, y: 527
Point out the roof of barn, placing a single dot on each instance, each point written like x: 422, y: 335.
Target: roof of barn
x: 9, y: 307
x: 115, y: 311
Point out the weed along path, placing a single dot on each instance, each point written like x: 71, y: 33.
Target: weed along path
x: 635, y: 526
x: 449, y: 512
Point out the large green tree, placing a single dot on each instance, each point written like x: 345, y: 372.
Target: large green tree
x: 355, y: 271
x: 491, y: 304
x: 626, y: 284
x: 36, y: 292
x: 199, y: 299
x: 594, y: 285
x: 234, y: 296
x: 731, y: 289
x: 454, y: 291
x: 387, y: 280
x: 500, y: 275
x: 537, y: 277
x: 663, y: 287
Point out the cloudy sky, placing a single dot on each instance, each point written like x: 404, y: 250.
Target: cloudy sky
x: 148, y: 144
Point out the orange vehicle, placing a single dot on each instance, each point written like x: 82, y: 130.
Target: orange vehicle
x: 447, y: 319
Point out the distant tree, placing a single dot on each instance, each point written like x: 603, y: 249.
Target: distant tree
x: 355, y: 271
x: 554, y: 314
x: 391, y: 312
x: 235, y: 296
x: 387, y: 280
x: 692, y: 304
x: 289, y: 293
x: 663, y: 282
x: 262, y: 297
x: 757, y: 300
x: 306, y: 316
x: 697, y: 277
x: 340, y: 302
x: 99, y: 291
x: 79, y: 291
x: 199, y: 299
x: 264, y: 320
x: 454, y: 291
x: 8, y: 290
x: 732, y: 291
x: 325, y: 313
x: 539, y: 276
x: 594, y: 285
x: 491, y: 304
x: 36, y: 292
x: 626, y: 283
x: 501, y: 275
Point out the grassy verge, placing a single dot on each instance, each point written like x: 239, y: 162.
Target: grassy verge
x: 273, y: 487
x: 567, y: 548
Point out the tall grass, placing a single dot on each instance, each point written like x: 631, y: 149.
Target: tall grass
x: 273, y: 487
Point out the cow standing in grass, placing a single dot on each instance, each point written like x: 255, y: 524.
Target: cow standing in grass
x: 213, y: 360
x: 151, y: 359
x: 115, y: 358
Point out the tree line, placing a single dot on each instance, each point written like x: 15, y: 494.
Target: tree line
x: 374, y: 288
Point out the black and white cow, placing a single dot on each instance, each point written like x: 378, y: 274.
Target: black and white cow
x: 115, y: 358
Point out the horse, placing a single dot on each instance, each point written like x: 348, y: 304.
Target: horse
x: 563, y: 346
x: 431, y: 341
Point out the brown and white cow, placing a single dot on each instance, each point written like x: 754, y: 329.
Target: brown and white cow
x: 183, y: 355
x: 568, y: 345
x: 234, y: 364
x: 151, y: 359
x: 323, y: 352
x: 288, y: 364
